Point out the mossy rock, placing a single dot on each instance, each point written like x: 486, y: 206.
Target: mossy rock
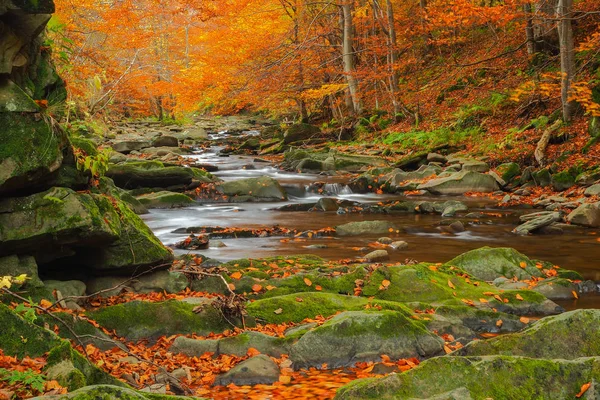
x: 165, y: 199
x: 570, y: 335
x: 139, y: 320
x: 17, y: 265
x: 154, y: 174
x: 497, y: 377
x: 107, y: 186
x: 299, y: 132
x: 542, y: 177
x: 263, y: 188
x: 508, y: 171
x: 354, y: 336
x: 31, y: 151
x: 362, y: 228
x: 489, y: 263
x: 22, y: 338
x: 562, y: 181
x: 86, y: 145
x: 106, y: 392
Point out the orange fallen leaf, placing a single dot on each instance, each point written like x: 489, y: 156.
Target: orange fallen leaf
x: 285, y: 378
x: 236, y: 275
x: 252, y: 352
x: 451, y: 285
x: 318, y: 288
x: 575, y: 294
x: 385, y: 283
x: 524, y: 320
x: 308, y: 282
x: 519, y: 297
x: 523, y: 264
x: 499, y: 323
x: 256, y: 288
x: 584, y: 388
x: 231, y: 286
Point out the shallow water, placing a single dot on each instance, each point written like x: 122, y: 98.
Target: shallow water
x: 578, y: 249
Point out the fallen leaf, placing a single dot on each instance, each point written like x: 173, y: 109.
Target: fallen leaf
x: 575, y: 294
x: 236, y: 275
x: 318, y: 288
x: 451, y: 285
x: 256, y: 288
x: 584, y: 389
x: 499, y: 323
x: 524, y: 320
x: 278, y: 311
x: 308, y: 282
x: 385, y: 283
x: 285, y: 378
x: 519, y: 297
x: 523, y: 264
x: 252, y: 352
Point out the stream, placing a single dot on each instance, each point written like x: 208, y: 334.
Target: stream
x: 575, y: 249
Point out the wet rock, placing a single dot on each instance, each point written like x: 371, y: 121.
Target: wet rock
x: 460, y: 183
x: 110, y: 392
x: 457, y: 227
x: 505, y: 378
x: 161, y: 281
x: 154, y: 174
x: 364, y: 228
x: 194, y: 134
x: 536, y: 221
x: 556, y: 289
x: 259, y: 369
x: 326, y: 204
x: 165, y: 141
x: 586, y: 215
x: 385, y: 240
x: 72, y: 288
x: 240, y: 344
x: 489, y: 263
x: 193, y: 242
x: 165, y: 199
x: 399, y: 245
x: 253, y: 189
x: 377, y: 256
x: 354, y: 336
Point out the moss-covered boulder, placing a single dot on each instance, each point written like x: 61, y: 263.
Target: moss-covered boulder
x: 256, y: 370
x: 489, y: 263
x: 316, y: 161
x: 562, y: 181
x: 542, y: 177
x: 17, y: 265
x: 461, y: 183
x: 235, y: 345
x: 154, y: 174
x: 30, y: 151
x: 497, y: 377
x: 106, y: 392
x: 354, y: 336
x: 509, y: 171
x: 165, y: 199
x: 363, y: 228
x: 298, y: 132
x: 253, y: 189
x: 139, y: 320
x: 568, y: 336
x: 107, y: 186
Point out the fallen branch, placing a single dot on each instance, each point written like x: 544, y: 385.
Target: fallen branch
x: 540, y: 150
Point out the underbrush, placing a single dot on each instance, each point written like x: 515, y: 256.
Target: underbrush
x: 424, y: 140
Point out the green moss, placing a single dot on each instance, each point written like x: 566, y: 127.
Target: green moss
x: 165, y: 199
x: 86, y: 145
x: 109, y: 392
x: 139, y: 320
x: 509, y: 171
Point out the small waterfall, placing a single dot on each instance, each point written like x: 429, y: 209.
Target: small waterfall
x: 337, y: 189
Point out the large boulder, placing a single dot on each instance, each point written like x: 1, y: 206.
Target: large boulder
x: 461, y: 183
x: 365, y: 228
x: 102, y: 233
x: 165, y: 199
x: 263, y: 188
x: 489, y: 263
x: 110, y: 392
x: 154, y: 174
x: 259, y: 369
x: 492, y: 377
x: 586, y: 215
x: 127, y: 146
x: 354, y: 336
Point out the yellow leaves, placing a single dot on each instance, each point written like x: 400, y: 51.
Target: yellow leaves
x: 285, y: 379
x: 384, y: 284
x: 519, y: 297
x: 323, y: 91
x: 523, y: 264
x: 8, y: 281
x: 308, y: 282
x: 451, y: 285
x: 575, y: 295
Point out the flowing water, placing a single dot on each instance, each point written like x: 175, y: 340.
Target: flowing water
x: 577, y: 249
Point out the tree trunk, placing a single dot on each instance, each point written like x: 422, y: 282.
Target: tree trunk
x: 545, y: 34
x: 393, y: 57
x: 348, y: 56
x: 529, y: 31
x: 567, y: 55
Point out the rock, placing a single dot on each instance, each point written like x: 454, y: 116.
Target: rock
x: 557, y: 289
x: 326, y: 204
x: 537, y: 221
x: 127, y: 146
x: 542, y: 178
x: 399, y: 245
x: 165, y: 141
x: 257, y: 370
x: 160, y: 281
x: 593, y: 190
x: 509, y: 171
x: 435, y: 157
x: 377, y: 256
x: 354, y: 336
x: 137, y: 320
x: 108, y: 392
x: 476, y: 166
x: 489, y: 263
x: 566, y: 336
x: 192, y: 134
x: 24, y: 161
x: 457, y: 227
x: 298, y: 132
x: 240, y: 344
x: 116, y: 158
x: 165, y: 199
x: 194, y: 347
x: 493, y: 377
x: 385, y: 240
x: 586, y: 215
x: 154, y: 174
x: 17, y: 265
x: 253, y: 189
x: 64, y: 289
x: 562, y: 181
x: 193, y: 242
x: 364, y: 228
x: 450, y: 208
x: 250, y: 144
x: 460, y: 183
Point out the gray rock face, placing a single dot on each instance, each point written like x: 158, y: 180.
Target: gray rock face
x: 298, y: 132
x: 538, y: 221
x: 326, y: 204
x: 377, y: 256
x: 194, y: 347
x: 593, y: 190
x: 476, y: 166
x: 364, y: 228
x: 254, y: 371
x: 253, y: 189
x: 165, y: 141
x: 16, y: 265
x: 127, y: 146
x: 364, y: 336
x: 461, y: 183
x: 153, y: 174
x: 586, y: 215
